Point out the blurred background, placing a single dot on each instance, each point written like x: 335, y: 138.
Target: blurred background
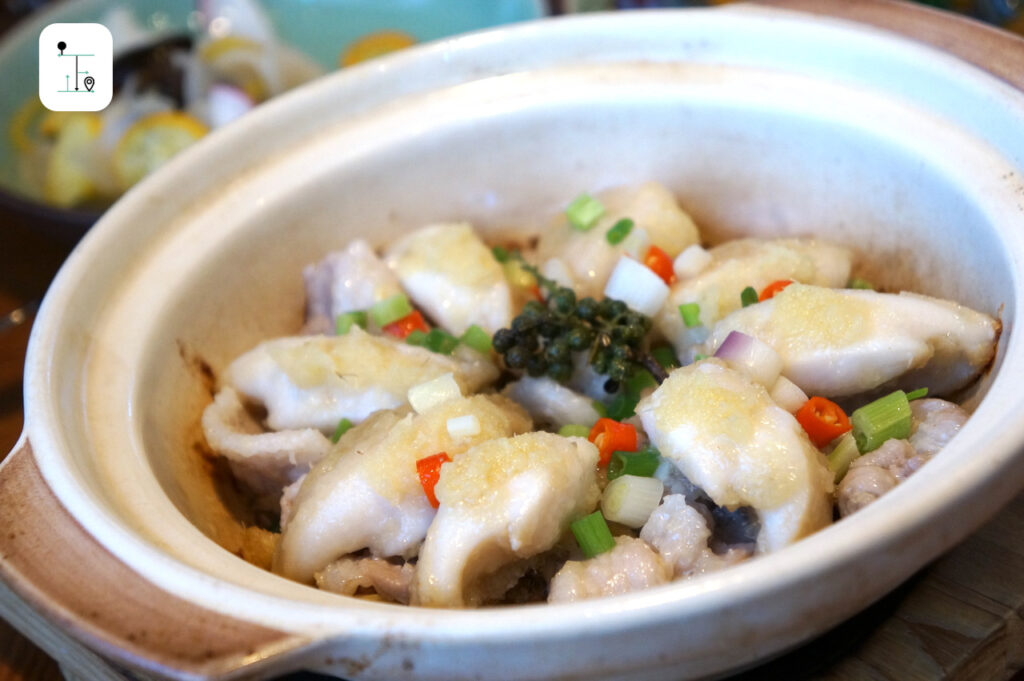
x: 182, y: 69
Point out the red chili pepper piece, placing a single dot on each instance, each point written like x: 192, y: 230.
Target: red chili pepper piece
x: 659, y: 262
x: 823, y: 419
x: 429, y: 470
x: 612, y: 436
x: 403, y: 327
x: 771, y: 289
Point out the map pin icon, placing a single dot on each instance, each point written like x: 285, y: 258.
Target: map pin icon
x: 89, y: 82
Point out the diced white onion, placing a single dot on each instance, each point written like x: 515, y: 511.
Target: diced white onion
x: 557, y: 271
x: 637, y: 286
x: 757, y: 359
x: 463, y: 426
x: 787, y: 394
x: 425, y: 396
x: 692, y: 261
x: 630, y: 499
x: 636, y: 243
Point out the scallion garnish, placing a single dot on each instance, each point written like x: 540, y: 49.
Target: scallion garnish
x: 584, y: 212
x: 844, y: 453
x: 592, y: 534
x: 691, y: 314
x: 857, y: 282
x: 346, y: 320
x: 383, y: 312
x: 477, y: 338
x: 501, y: 254
x: 665, y: 356
x: 917, y: 394
x: 699, y: 356
x: 619, y: 231
x: 643, y: 463
x: 440, y: 341
x: 884, y: 419
x: 343, y: 426
x: 748, y: 296
x: 416, y: 337
x: 623, y: 406
x: 574, y: 430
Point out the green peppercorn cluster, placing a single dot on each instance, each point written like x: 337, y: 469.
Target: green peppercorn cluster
x: 543, y: 338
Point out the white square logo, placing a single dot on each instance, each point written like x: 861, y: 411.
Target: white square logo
x: 76, y: 67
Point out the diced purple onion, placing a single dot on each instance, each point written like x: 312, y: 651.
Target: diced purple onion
x: 746, y: 353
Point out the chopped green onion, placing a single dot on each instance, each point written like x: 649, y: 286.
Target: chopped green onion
x: 643, y: 463
x: 584, y: 212
x: 343, y: 426
x: 748, y: 296
x: 665, y: 356
x: 691, y: 314
x: 574, y: 430
x: 622, y: 406
x: 886, y: 418
x: 842, y: 455
x: 477, y: 338
x: 440, y: 341
x: 592, y: 534
x: 417, y: 337
x: 501, y: 254
x: 699, y: 356
x: 346, y: 320
x: 857, y: 282
x: 630, y: 499
x: 639, y: 380
x: 917, y: 394
x: 389, y: 310
x: 619, y: 231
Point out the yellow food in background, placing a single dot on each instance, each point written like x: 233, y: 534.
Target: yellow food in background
x: 374, y: 45
x: 235, y: 59
x: 151, y: 141
x: 69, y: 174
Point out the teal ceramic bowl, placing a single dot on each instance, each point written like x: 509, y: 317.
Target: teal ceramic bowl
x: 323, y: 30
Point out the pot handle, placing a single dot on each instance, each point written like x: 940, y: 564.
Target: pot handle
x: 72, y: 597
x: 997, y: 51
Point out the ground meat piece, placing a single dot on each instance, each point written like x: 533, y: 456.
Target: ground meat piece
x: 861, y: 486
x: 347, y: 575
x: 631, y: 566
x: 935, y: 424
x: 680, y: 534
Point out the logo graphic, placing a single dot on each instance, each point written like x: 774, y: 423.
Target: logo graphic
x: 76, y: 67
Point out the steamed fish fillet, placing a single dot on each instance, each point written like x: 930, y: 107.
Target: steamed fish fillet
x: 315, y: 381
x: 345, y: 281
x: 502, y: 503
x: 843, y: 342
x: 587, y: 257
x: 727, y: 436
x: 451, y: 274
x: 366, y: 494
x: 632, y: 565
x: 738, y: 264
x: 265, y: 460
x: 551, y: 403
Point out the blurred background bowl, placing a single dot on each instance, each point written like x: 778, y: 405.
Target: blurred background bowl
x: 332, y: 33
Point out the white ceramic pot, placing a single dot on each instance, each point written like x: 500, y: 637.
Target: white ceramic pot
x: 762, y: 120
